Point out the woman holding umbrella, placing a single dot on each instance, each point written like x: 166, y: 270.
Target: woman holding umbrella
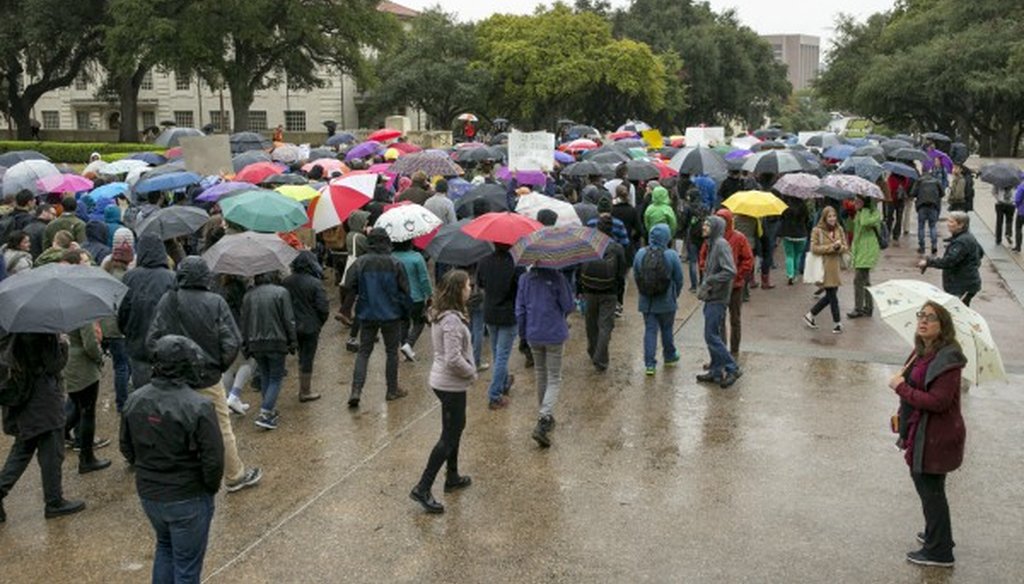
x: 828, y: 240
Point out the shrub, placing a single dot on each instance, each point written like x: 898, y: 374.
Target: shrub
x: 77, y: 152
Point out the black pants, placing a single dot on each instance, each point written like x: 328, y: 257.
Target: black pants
x: 1004, y: 218
x: 453, y: 422
x: 894, y: 217
x: 1018, y: 226
x: 600, y: 321
x: 412, y: 327
x: 80, y: 422
x: 938, y: 529
x: 391, y: 331
x: 307, y: 351
x: 48, y: 448
x: 830, y: 299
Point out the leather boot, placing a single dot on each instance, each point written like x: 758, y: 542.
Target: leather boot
x: 87, y: 463
x: 305, y: 393
x: 353, y: 398
x: 766, y: 281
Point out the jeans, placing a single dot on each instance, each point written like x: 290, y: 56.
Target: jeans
x: 271, y: 368
x: 48, y: 449
x: 794, y: 250
x: 446, y: 450
x: 476, y: 332
x: 122, y: 369
x: 1004, y: 219
x: 182, y: 532
x: 547, y: 361
x: 927, y: 216
x: 80, y: 419
x: 412, y: 327
x: 692, y: 256
x: 391, y: 331
x: 771, y: 228
x: 938, y: 528
x: 714, y: 319
x: 235, y: 378
x: 502, y: 339
x: 142, y: 372
x: 308, y: 344
x: 862, y: 301
x: 653, y: 323
x: 234, y: 468
x: 600, y: 321
x: 830, y: 299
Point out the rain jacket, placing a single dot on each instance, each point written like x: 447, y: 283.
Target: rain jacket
x: 381, y: 284
x: 543, y: 301
x: 96, y: 241
x: 416, y: 272
x: 935, y: 430
x: 927, y: 192
x: 50, y: 255
x: 194, y: 312
x: 660, y: 211
x: 667, y: 302
x: 866, y: 250
x: 40, y: 358
x: 453, y: 368
x: 720, y: 271
x: 112, y: 216
x: 821, y: 244
x: 268, y: 320
x: 960, y: 264
x: 16, y: 260
x: 85, y: 359
x: 355, y: 240
x: 498, y: 277
x: 742, y: 255
x: 309, y: 301
x: 66, y: 222
x: 147, y: 283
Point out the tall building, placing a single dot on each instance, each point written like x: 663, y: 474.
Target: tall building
x: 800, y: 53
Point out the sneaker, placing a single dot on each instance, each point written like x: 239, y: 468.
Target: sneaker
x: 855, y: 314
x: 921, y: 558
x: 267, y: 420
x: 730, y: 378
x: 397, y: 394
x: 619, y: 309
x: 249, y: 479
x: 838, y: 329
x: 672, y: 361
x: 498, y: 404
x: 406, y: 350
x: 540, y: 433
x: 236, y: 405
x: 920, y: 537
x: 352, y: 346
x: 809, y: 321
x: 650, y: 371
x: 483, y: 366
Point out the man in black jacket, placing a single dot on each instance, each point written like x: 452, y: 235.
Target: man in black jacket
x: 147, y: 282
x: 497, y: 276
x: 599, y: 281
x: 171, y: 436
x: 960, y: 263
x: 927, y: 192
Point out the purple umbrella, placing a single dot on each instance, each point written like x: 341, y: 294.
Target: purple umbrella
x: 523, y: 177
x: 369, y: 148
x: 737, y: 154
x: 564, y: 157
x: 219, y: 191
x: 940, y: 156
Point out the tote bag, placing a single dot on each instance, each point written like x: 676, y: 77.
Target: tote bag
x: 814, y: 269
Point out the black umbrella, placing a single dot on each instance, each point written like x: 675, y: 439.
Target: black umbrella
x: 700, y: 160
x: 877, y: 137
x: 476, y: 155
x: 777, y: 162
x: 909, y: 154
x: 586, y: 212
x: 641, y: 170
x: 58, y: 298
x: 340, y: 139
x: 501, y: 138
x: 1001, y: 175
x: 494, y: 194
x: 863, y: 166
x: 767, y: 145
x: 9, y: 159
x: 321, y: 153
x: 834, y: 193
x: 890, y: 146
x: 176, y: 221
x: 285, y: 179
x: 609, y: 156
x: 240, y: 161
x: 905, y: 138
x: 581, y: 131
x: 669, y: 151
x: 453, y: 247
x: 824, y: 141
x: 935, y: 136
x: 588, y: 168
x: 246, y: 141
x: 768, y: 134
x: 876, y: 152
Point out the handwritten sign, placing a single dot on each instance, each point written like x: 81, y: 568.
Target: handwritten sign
x: 207, y: 155
x: 531, y: 151
x: 654, y: 139
x: 709, y: 137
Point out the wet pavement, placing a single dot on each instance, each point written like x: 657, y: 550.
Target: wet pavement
x: 789, y: 476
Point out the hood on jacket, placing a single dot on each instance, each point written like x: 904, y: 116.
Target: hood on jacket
x: 193, y: 274
x: 305, y: 263
x: 659, y: 235
x: 150, y: 252
x: 177, y: 358
x: 659, y: 196
x: 357, y: 221
x: 97, y: 232
x: 708, y: 190
x: 591, y: 194
x: 726, y: 215
x: 379, y: 241
x: 112, y: 214
x: 717, y: 225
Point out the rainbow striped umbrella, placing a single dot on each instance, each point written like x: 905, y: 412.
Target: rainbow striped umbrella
x: 560, y: 247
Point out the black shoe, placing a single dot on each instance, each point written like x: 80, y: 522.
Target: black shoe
x: 3, y: 514
x: 540, y: 433
x: 457, y: 482
x: 352, y: 346
x: 427, y: 500
x: 88, y: 466
x: 353, y: 399
x: 920, y: 251
x: 730, y: 378
x: 935, y: 251
x: 855, y: 314
x: 921, y: 558
x: 397, y: 394
x: 65, y: 507
x: 706, y: 378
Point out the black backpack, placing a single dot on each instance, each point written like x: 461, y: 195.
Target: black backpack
x: 653, y: 279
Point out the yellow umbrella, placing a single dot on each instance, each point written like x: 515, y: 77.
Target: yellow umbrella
x: 755, y: 204
x: 392, y: 154
x: 298, y: 192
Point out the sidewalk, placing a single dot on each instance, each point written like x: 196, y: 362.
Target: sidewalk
x: 1007, y: 262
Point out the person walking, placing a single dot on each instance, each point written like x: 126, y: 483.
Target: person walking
x: 927, y: 193
x: 958, y: 190
x: 543, y: 301
x: 743, y: 261
x: 599, y: 282
x: 419, y: 291
x: 147, y: 282
x: 658, y: 272
x: 866, y: 250
x: 1005, y: 211
x: 268, y: 335
x: 895, y: 205
x: 171, y: 437
x: 82, y: 383
x: 828, y: 240
x: 311, y: 309
x: 660, y: 211
x: 439, y: 204
x: 498, y: 277
x: 961, y: 262
x: 793, y: 229
x: 1018, y: 221
x: 451, y: 374
x: 716, y: 289
x: 933, y: 434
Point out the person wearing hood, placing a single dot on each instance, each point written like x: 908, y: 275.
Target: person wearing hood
x: 356, y: 244
x: 931, y: 427
x: 96, y: 241
x: 658, y: 272
x: 382, y: 290
x: 962, y: 260
x: 309, y: 303
x: 743, y: 260
x: 268, y: 335
x: 170, y: 436
x: 715, y: 291
x: 828, y: 240
x: 660, y: 211
x: 598, y: 282
x: 418, y: 192
x: 147, y: 282
x: 191, y: 310
x: 113, y: 217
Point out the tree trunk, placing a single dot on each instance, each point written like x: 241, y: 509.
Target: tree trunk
x: 128, y: 94
x: 22, y: 116
x: 241, y: 100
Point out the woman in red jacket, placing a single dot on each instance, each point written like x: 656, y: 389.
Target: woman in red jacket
x: 929, y: 389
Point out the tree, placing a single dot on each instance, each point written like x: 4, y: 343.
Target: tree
x: 804, y: 111
x: 430, y: 68
x: 42, y: 53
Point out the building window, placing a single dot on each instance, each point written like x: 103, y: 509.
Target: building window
x: 51, y: 120
x: 147, y: 81
x: 148, y: 120
x: 81, y: 83
x: 182, y: 82
x: 295, y: 121
x: 183, y: 119
x: 83, y: 121
x: 257, y: 121
x: 222, y: 124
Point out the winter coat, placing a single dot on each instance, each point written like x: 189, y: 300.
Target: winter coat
x: 415, y: 193
x: 85, y: 359
x: 381, y: 284
x: 822, y: 241
x: 795, y: 222
x: 268, y: 321
x: 667, y: 302
x: 16, y: 260
x: 442, y: 206
x: 960, y: 264
x: 866, y: 250
x: 112, y: 216
x: 627, y: 214
x: 66, y: 222
x: 146, y: 283
x: 416, y: 272
x: 660, y: 211
x: 720, y: 273
x: 497, y: 275
x: 742, y: 255
x: 40, y: 358
x: 957, y: 190
x: 927, y: 192
x: 96, y: 241
x: 309, y: 300
x: 108, y: 324
x: 936, y: 431
x: 592, y: 275
x: 543, y: 301
x: 453, y: 368
x: 35, y: 232
x: 194, y: 312
x: 50, y: 255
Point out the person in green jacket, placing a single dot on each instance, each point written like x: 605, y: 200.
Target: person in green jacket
x: 660, y: 211
x: 866, y: 251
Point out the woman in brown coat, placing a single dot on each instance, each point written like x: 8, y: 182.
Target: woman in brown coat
x: 829, y: 242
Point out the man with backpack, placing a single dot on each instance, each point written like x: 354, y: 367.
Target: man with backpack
x: 599, y: 283
x: 659, y: 278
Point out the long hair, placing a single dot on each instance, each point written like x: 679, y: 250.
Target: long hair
x: 823, y: 220
x: 947, y: 332
x: 449, y: 295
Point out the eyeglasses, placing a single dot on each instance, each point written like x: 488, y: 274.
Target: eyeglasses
x: 927, y: 316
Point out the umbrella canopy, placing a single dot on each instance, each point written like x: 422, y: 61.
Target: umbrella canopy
x: 1001, y: 175
x: 863, y: 166
x: 58, y: 298
x: 318, y: 153
x: 642, y: 170
x: 453, y: 247
x: 93, y: 168
x: 385, y: 134
x: 171, y: 222
x: 240, y: 161
x: 151, y: 158
x: 588, y: 168
x: 738, y: 154
x: 328, y: 165
x: 108, y: 191
x: 287, y: 154
x: 264, y: 211
x: 853, y: 184
x: 768, y: 133
x: 767, y: 145
x: 495, y: 195
x: 560, y: 247
x: 64, y: 183
x: 871, y: 151
x: 909, y: 154
x: 898, y: 302
x: 605, y: 156
x: 776, y: 162
x: 284, y: 179
x: 340, y: 138
x: 579, y: 145
x: 258, y: 172
x: 172, y: 136
x: 407, y: 221
x: 221, y: 190
x: 700, y: 160
x: 936, y: 136
x: 363, y: 150
x: 9, y: 159
x: 405, y: 147
x: 300, y: 193
x: 431, y: 164
x: 755, y: 204
x: 839, y: 152
x: 824, y: 141
x: 123, y: 166
x: 344, y: 195
x: 633, y: 126
x: 798, y: 184
x: 834, y: 193
x: 533, y: 203
x: 505, y: 227
x: 900, y: 169
x: 582, y: 131
x: 248, y: 141
x: 26, y: 176
x: 167, y: 182
x: 890, y: 146
x: 249, y: 254
x: 622, y: 135
x: 467, y: 117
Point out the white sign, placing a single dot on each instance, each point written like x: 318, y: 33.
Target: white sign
x: 207, y: 155
x: 531, y: 151
x: 708, y: 137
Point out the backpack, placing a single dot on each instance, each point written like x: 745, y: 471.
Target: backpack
x: 599, y: 275
x: 653, y: 278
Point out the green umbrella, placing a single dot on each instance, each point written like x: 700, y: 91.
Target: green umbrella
x: 264, y: 211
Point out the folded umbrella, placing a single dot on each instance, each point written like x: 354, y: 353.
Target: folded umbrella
x: 1001, y: 175
x: 454, y: 247
x: 504, y: 227
x: 175, y: 221
x: 171, y: 181
x: 560, y: 247
x: 755, y: 204
x: 264, y: 211
x: 58, y: 298
x: 407, y: 221
x: 249, y: 254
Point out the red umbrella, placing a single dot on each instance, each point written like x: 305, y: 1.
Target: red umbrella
x: 175, y: 152
x: 664, y: 170
x: 405, y: 147
x: 505, y: 228
x: 423, y: 241
x: 384, y: 135
x: 622, y: 135
x: 578, y: 145
x: 343, y: 195
x: 259, y: 172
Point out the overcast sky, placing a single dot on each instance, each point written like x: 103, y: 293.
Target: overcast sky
x: 813, y: 17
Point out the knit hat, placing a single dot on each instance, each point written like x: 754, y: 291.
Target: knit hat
x: 123, y: 235
x: 604, y: 205
x: 123, y: 253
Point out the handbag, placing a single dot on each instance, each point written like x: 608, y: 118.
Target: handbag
x: 814, y: 269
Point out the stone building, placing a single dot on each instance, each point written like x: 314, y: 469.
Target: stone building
x: 800, y: 53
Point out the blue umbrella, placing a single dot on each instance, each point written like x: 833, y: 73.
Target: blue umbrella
x: 168, y: 182
x: 900, y: 169
x: 151, y: 158
x: 840, y: 152
x: 341, y: 138
x: 457, y: 187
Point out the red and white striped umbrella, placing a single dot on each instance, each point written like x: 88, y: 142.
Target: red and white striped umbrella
x: 341, y: 197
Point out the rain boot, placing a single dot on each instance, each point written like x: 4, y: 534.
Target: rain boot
x: 353, y: 398
x: 305, y: 393
x: 87, y: 462
x: 766, y: 281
